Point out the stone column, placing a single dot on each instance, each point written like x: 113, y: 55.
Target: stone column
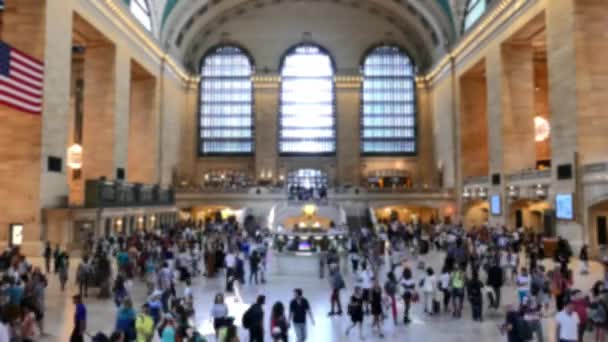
x: 99, y: 106
x: 55, y: 118
x: 473, y: 126
x: 518, y: 110
x: 122, y: 88
x: 348, y: 137
x: 563, y: 104
x: 266, y: 109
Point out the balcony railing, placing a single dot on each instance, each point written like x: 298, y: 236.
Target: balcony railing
x: 477, y: 180
x: 595, y: 168
x: 529, y: 174
x: 103, y: 194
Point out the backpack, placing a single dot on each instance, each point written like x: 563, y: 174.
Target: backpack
x: 248, y: 318
x: 597, y: 313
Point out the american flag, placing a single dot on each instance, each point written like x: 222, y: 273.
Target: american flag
x: 21, y: 80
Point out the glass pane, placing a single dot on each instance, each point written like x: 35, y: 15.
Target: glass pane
x: 141, y: 11
x: 307, y: 123
x: 226, y: 120
x: 388, y: 108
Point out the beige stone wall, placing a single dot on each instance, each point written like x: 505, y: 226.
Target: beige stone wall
x: 591, y: 79
x: 473, y: 126
x: 20, y: 133
x: 143, y: 129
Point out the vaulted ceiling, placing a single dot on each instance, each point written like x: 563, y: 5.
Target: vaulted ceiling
x: 426, y: 28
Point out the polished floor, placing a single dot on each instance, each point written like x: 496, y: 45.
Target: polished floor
x: 424, y: 328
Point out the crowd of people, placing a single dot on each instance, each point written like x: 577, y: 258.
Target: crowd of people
x: 389, y: 277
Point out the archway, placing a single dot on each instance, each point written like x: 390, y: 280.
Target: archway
x: 598, y: 226
x: 529, y: 214
x: 475, y: 213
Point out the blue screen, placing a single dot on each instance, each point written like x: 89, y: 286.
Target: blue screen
x: 564, y: 208
x: 495, y: 206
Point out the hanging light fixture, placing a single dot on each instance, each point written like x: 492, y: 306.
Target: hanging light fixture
x: 542, y: 129
x: 74, y: 157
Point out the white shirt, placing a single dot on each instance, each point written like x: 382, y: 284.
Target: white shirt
x: 365, y: 279
x: 230, y: 260
x: 568, y: 325
x: 4, y: 333
x: 523, y: 282
x: 429, y: 283
x: 445, y: 280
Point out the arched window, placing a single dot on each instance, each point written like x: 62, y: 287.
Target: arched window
x: 141, y: 11
x: 474, y: 10
x: 226, y: 106
x: 388, y: 120
x: 307, y: 120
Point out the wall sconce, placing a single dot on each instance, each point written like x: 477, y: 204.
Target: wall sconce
x: 540, y: 191
x: 74, y: 157
x: 482, y: 193
x: 513, y: 192
x: 466, y: 194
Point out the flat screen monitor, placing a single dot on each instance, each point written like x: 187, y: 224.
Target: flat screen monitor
x: 564, y: 207
x: 304, y: 246
x: 495, y: 205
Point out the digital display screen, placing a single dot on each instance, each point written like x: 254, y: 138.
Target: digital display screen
x: 304, y: 246
x: 495, y: 205
x: 564, y: 207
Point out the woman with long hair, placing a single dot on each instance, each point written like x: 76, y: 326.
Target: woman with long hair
x: 219, y: 313
x: 377, y: 311
x: 279, y: 325
x: 409, y: 292
x: 355, y: 311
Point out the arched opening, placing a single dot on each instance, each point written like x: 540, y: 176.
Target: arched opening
x: 598, y: 227
x: 475, y: 213
x: 530, y: 215
x: 407, y: 214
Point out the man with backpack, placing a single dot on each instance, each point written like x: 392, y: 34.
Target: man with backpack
x: 253, y: 320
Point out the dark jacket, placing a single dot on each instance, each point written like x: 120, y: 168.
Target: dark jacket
x: 495, y: 276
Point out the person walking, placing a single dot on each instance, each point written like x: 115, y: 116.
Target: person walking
x: 219, y: 314
x: 390, y: 289
x: 47, y: 254
x: 474, y: 286
x: 428, y: 290
x: 355, y: 311
x: 365, y: 279
x: 337, y: 284
x: 62, y: 269
x: 377, y: 311
x: 80, y: 320
x: 444, y: 286
x: 144, y: 325
x: 125, y: 320
x: 299, y: 308
x: 458, y: 283
x: 279, y: 325
x: 567, y: 324
x: 495, y: 281
x: 254, y: 263
x: 584, y: 259
x: 82, y: 277
x: 253, y: 320
x: 408, y: 286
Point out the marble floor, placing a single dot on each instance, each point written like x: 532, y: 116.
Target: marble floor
x: 102, y: 313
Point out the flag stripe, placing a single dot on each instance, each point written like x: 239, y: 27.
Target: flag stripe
x: 27, y: 59
x: 24, y: 78
x: 12, y: 83
x: 23, y: 68
x: 20, y: 105
x: 20, y: 95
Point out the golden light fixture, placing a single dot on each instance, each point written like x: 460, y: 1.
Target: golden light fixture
x: 542, y: 129
x: 74, y: 157
x: 309, y: 210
